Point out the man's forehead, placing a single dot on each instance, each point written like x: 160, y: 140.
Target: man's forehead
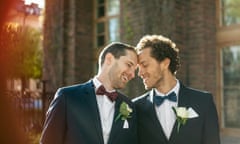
x: 130, y: 59
x: 142, y: 59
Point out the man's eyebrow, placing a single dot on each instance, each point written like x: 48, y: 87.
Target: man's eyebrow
x: 142, y: 62
x: 130, y: 62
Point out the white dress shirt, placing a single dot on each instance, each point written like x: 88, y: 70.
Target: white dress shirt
x: 165, y: 112
x: 106, y: 110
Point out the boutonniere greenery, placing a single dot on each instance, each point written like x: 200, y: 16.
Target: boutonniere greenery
x: 124, y: 112
x: 182, y: 116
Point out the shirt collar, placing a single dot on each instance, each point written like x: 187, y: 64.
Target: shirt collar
x: 96, y: 83
x: 174, y: 89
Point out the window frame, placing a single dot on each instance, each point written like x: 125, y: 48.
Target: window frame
x: 105, y: 19
x: 226, y: 36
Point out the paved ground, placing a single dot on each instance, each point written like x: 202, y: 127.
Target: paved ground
x: 230, y: 140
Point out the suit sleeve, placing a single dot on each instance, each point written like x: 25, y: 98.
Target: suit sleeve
x: 54, y: 126
x: 211, y: 127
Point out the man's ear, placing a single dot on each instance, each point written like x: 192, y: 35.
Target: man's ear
x: 109, y: 58
x: 166, y: 63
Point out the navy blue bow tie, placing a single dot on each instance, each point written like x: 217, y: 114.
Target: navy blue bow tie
x: 158, y: 100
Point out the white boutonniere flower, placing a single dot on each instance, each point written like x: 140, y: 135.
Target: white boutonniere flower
x: 183, y: 114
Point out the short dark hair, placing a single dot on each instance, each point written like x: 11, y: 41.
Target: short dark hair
x: 161, y: 48
x: 117, y: 49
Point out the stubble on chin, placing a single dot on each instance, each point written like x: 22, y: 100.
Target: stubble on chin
x: 120, y: 86
x: 147, y: 87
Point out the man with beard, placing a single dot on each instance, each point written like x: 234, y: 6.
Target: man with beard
x: 93, y: 112
x: 171, y: 113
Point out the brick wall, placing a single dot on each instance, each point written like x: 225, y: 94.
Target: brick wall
x: 201, y: 44
x: 84, y: 41
x: 191, y: 24
x: 68, y: 42
x: 53, y: 43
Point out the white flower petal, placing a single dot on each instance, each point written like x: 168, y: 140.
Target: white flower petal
x: 182, y: 112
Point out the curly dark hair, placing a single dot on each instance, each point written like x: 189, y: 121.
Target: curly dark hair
x: 161, y: 48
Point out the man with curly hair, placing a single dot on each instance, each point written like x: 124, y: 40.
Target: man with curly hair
x: 171, y: 113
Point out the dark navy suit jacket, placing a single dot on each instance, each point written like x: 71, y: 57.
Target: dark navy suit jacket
x: 73, y: 118
x: 201, y: 130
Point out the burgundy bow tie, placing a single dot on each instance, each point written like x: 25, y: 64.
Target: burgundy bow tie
x: 111, y: 95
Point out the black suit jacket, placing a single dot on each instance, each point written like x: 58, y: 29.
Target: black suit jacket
x: 201, y: 130
x: 73, y: 118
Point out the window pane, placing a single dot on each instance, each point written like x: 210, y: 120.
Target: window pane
x: 230, y: 12
x: 100, y: 41
x: 114, y: 30
x: 231, y: 86
x: 113, y: 7
x: 101, y: 11
x: 107, y: 23
x: 100, y: 28
x: 100, y: 2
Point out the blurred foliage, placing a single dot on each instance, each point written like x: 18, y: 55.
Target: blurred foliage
x: 21, y: 49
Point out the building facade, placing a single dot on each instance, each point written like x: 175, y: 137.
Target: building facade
x: 207, y: 33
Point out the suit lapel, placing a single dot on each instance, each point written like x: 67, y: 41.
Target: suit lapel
x: 93, y: 109
x: 116, y: 124
x: 183, y: 98
x: 182, y: 102
x: 150, y: 109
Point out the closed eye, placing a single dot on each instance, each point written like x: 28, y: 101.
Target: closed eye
x: 129, y: 64
x: 144, y: 65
